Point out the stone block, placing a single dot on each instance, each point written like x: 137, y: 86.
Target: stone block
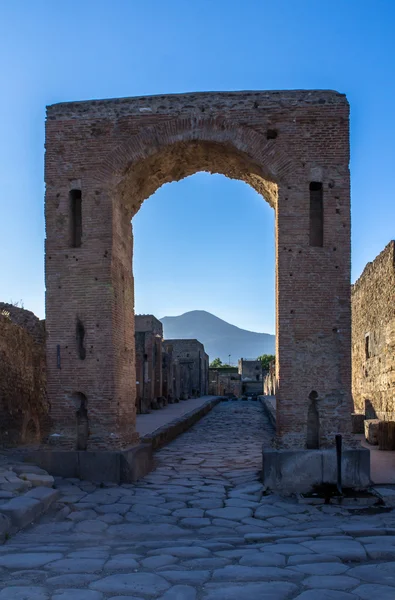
x: 99, y: 466
x: 21, y: 511
x: 297, y: 471
x: 38, y: 480
x: 371, y: 431
x: 104, y: 466
x: 357, y: 423
x: 136, y: 462
x: 56, y: 462
x: 45, y: 495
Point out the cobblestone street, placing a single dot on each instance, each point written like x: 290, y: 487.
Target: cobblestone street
x: 199, y: 527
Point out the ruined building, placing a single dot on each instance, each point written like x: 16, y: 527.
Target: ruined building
x: 166, y: 370
x: 269, y: 380
x: 170, y: 374
x: 225, y: 381
x: 373, y: 338
x: 24, y: 408
x: 193, y: 367
x: 148, y: 336
x: 250, y: 371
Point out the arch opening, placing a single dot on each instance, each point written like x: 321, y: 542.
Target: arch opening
x: 182, y: 159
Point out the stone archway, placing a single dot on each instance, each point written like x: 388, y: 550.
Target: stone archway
x: 104, y: 158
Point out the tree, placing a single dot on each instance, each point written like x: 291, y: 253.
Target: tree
x: 266, y: 359
x: 216, y: 363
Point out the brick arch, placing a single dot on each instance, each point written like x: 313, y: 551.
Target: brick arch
x: 118, y: 152
x: 175, y: 149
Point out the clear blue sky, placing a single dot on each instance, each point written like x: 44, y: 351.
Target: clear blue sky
x: 206, y: 242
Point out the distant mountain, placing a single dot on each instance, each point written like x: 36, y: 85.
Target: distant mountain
x: 219, y: 337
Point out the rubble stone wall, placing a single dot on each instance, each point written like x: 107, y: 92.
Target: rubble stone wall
x: 24, y: 408
x: 373, y: 337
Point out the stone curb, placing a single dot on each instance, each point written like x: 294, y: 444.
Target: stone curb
x: 269, y: 410
x: 19, y: 512
x: 165, y: 434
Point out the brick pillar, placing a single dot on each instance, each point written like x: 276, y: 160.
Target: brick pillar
x: 89, y: 315
x: 313, y: 355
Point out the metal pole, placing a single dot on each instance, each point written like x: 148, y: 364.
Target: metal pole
x: 339, y: 462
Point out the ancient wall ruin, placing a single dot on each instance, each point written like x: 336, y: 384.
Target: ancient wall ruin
x: 225, y: 382
x: 24, y: 408
x: 148, y: 338
x: 193, y: 367
x: 373, y: 338
x: 104, y: 158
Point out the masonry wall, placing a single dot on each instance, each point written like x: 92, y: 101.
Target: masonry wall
x: 373, y: 337
x: 24, y: 408
x: 193, y: 367
x: 223, y: 382
x: 149, y: 367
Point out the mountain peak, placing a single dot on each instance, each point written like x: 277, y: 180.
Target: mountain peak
x: 220, y: 338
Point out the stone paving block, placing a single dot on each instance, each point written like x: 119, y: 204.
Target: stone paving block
x: 182, y: 551
x: 206, y: 563
x: 146, y: 531
x: 147, y: 584
x: 380, y: 551
x: 180, y: 592
x: 230, y: 512
x: 21, y: 510
x: 188, y: 512
x: 91, y: 553
x: 262, y: 559
x: 320, y: 594
x: 121, y: 562
x: 242, y: 573
x: 194, y: 522
x: 28, y: 560
x: 24, y: 593
x: 77, y: 594
x: 206, y: 503
x: 302, y: 559
x: 371, y: 591
x: 91, y: 526
x: 383, y: 573
x: 266, y: 511
x: 251, y: 591
x: 76, y: 565
x: 191, y: 577
x: 331, y: 582
x: 343, y: 549
x: 81, y: 515
x: 287, y: 549
x: 321, y: 568
x: 74, y: 579
x: 117, y: 508
x: 240, y: 503
x: 154, y: 562
x: 111, y: 519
